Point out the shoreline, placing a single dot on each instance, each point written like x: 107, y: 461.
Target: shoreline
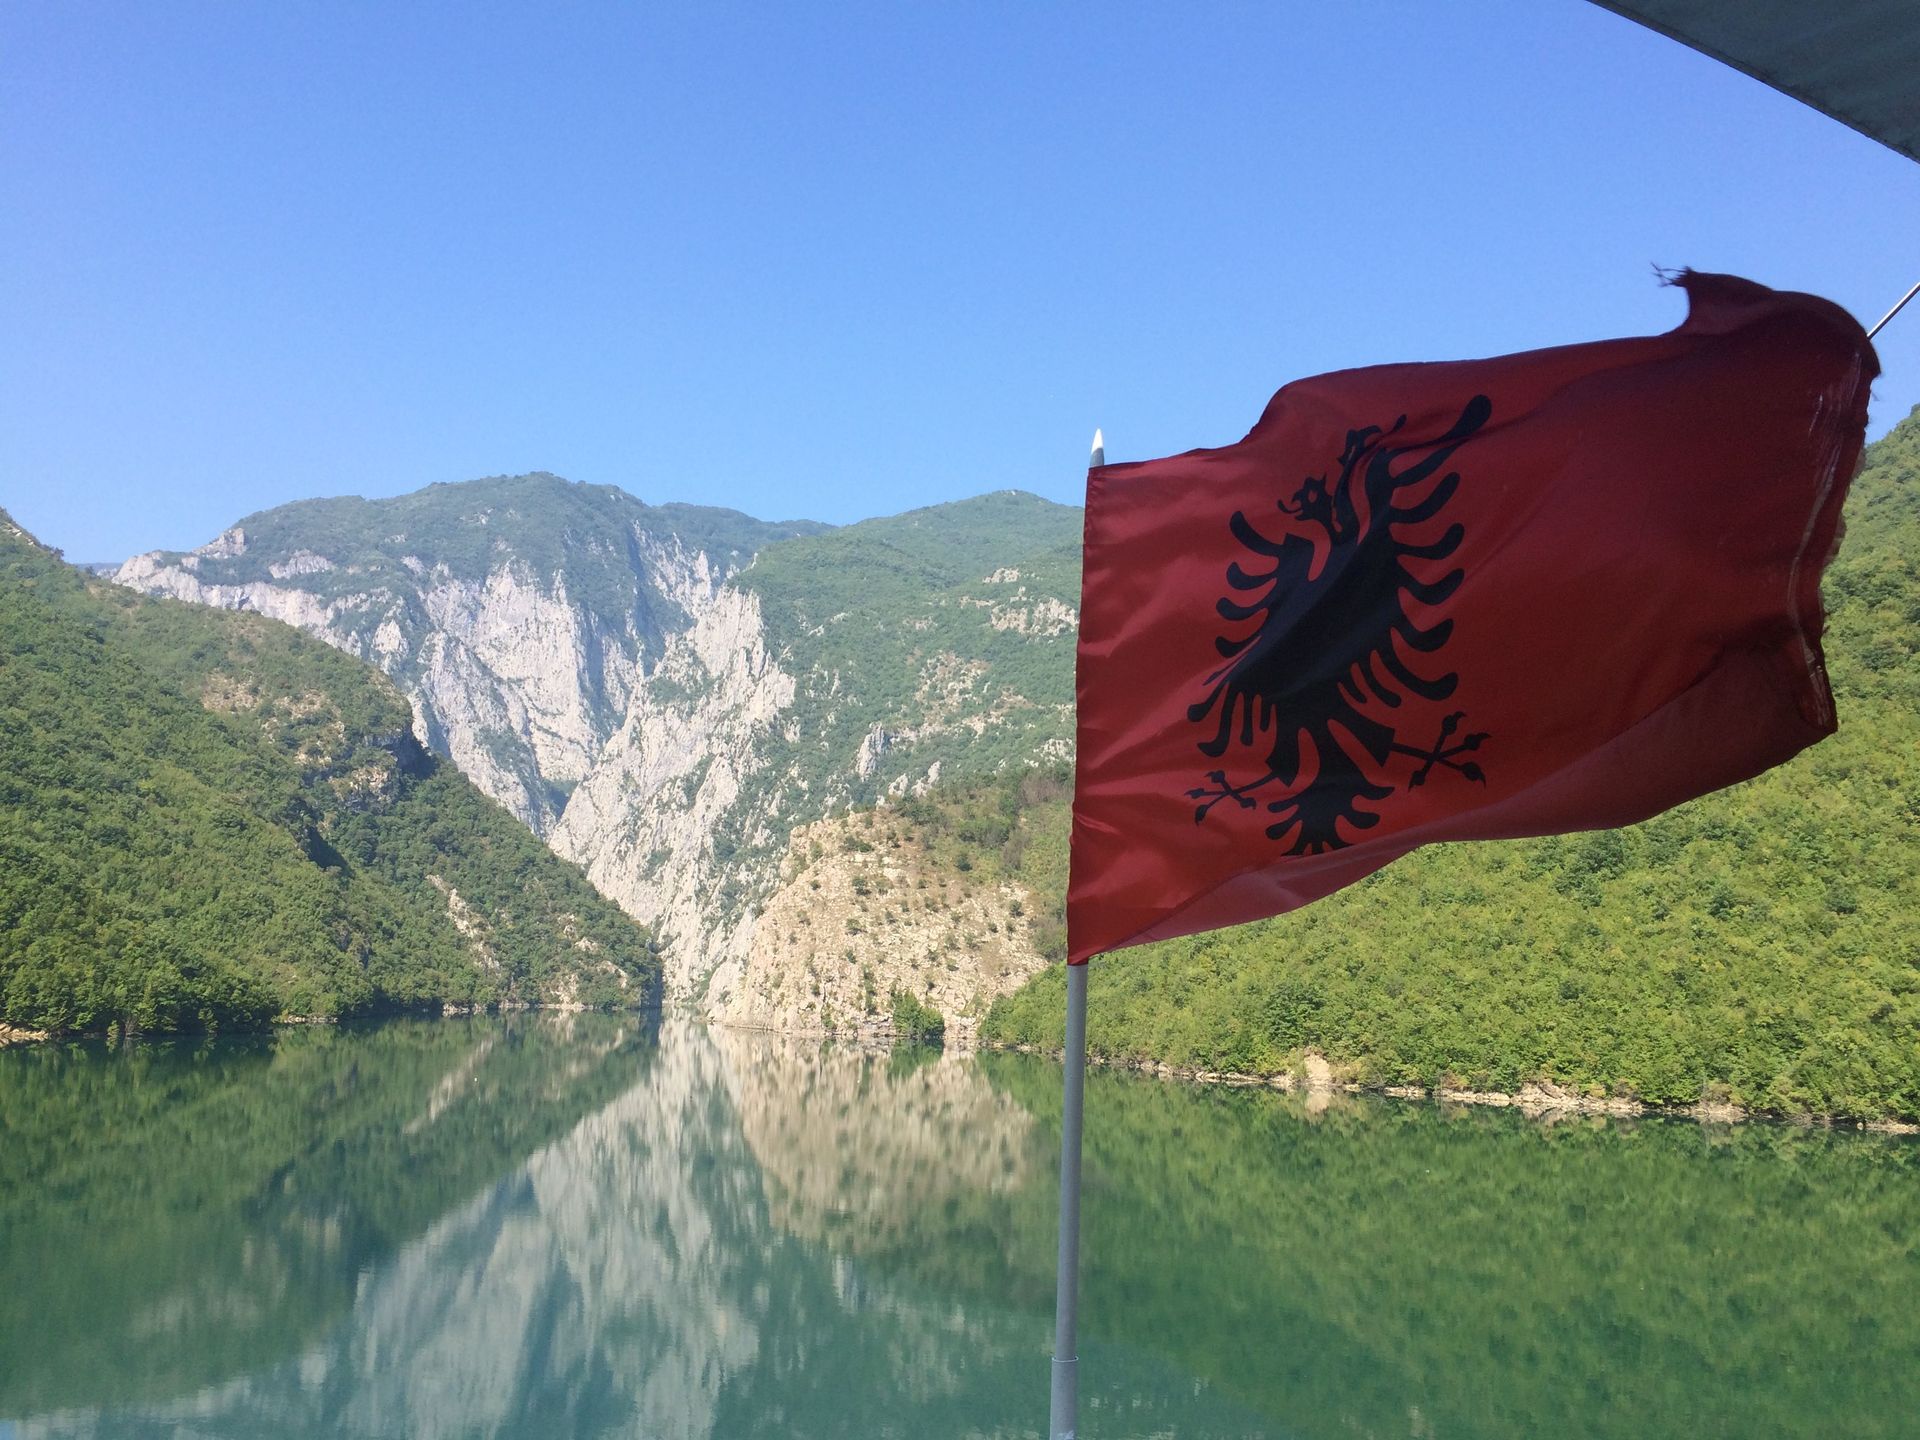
x: 1537, y: 1099
x: 16, y: 1035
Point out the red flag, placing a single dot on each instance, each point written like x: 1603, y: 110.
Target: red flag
x: 1553, y: 591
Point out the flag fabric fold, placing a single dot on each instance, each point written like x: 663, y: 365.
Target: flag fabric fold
x: 1559, y: 590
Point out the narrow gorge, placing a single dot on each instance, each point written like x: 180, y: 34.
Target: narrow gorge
x: 671, y: 696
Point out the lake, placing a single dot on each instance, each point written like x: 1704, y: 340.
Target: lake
x: 587, y: 1225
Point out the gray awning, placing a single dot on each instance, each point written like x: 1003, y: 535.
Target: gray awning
x: 1856, y: 60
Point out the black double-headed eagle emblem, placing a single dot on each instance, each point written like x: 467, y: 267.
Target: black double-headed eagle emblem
x: 1307, y: 651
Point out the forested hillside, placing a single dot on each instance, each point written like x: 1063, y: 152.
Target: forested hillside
x: 209, y: 820
x: 938, y: 640
x: 665, y: 691
x: 1754, y: 945
x: 1758, y: 944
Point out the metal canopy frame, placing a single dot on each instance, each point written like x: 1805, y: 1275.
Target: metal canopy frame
x: 1855, y: 60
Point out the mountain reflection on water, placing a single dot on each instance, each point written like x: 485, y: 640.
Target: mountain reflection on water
x: 572, y: 1226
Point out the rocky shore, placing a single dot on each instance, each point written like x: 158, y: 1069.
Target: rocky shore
x: 1538, y: 1099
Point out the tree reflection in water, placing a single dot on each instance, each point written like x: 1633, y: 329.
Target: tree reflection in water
x: 553, y: 1226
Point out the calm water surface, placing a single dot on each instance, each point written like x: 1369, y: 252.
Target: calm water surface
x: 544, y: 1226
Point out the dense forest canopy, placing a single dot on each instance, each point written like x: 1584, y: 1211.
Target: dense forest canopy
x: 208, y: 819
x: 1757, y: 944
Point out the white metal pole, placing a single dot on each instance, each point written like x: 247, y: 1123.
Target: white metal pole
x: 1064, y: 1416
x: 1899, y: 305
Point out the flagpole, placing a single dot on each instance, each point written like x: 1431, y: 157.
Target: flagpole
x: 1063, y: 1415
x: 1063, y: 1418
x: 1899, y: 305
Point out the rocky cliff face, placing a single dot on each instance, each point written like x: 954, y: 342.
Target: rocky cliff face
x: 519, y: 618
x: 658, y: 824
x: 665, y: 693
x: 865, y: 911
x: 496, y: 672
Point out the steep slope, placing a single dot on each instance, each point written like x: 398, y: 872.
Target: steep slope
x: 838, y: 668
x: 516, y: 613
x: 1757, y: 944
x: 208, y: 819
x: 933, y: 895
x: 666, y: 692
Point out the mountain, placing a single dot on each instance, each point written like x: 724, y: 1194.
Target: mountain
x: 208, y: 819
x: 516, y: 613
x: 667, y: 692
x: 835, y: 670
x: 943, y: 895
x: 1755, y: 946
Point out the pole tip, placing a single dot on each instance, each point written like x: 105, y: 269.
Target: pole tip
x: 1099, y: 455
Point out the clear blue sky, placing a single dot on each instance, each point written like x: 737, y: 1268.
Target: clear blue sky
x: 834, y: 260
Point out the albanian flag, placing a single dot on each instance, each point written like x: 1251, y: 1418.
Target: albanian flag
x: 1554, y: 591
